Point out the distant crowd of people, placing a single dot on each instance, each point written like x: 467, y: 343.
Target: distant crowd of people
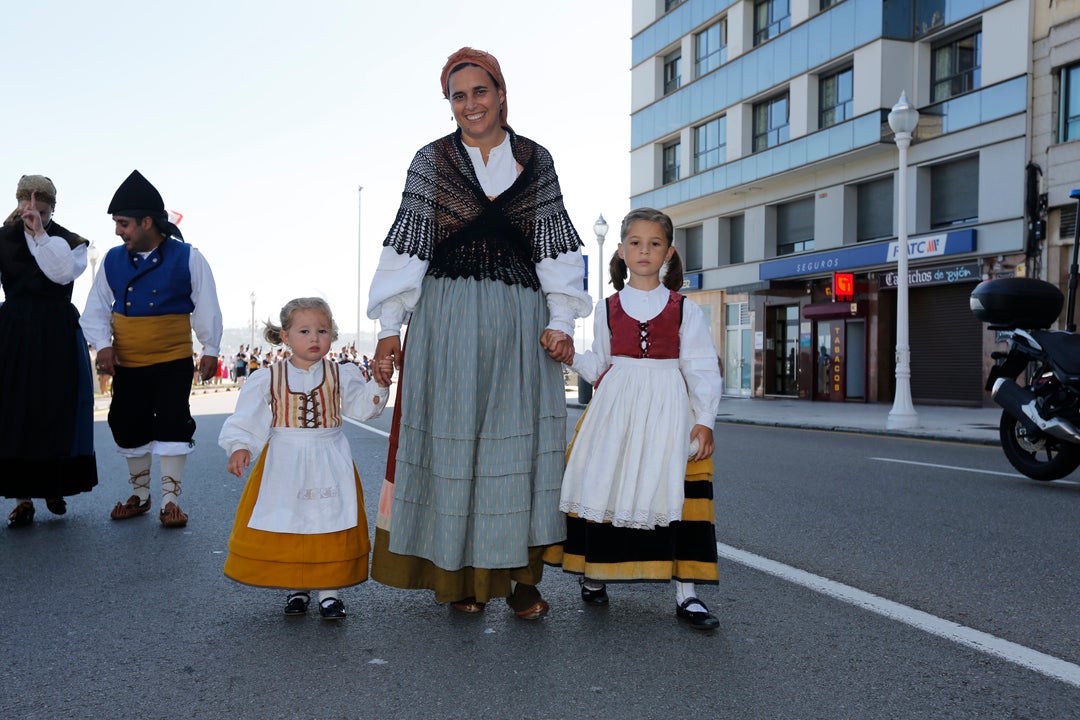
x: 236, y: 368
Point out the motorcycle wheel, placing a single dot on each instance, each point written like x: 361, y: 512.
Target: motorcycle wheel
x: 1036, y: 455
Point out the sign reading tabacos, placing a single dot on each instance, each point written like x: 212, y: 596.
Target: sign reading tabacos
x: 919, y: 247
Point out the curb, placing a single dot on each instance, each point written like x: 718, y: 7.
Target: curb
x: 878, y: 432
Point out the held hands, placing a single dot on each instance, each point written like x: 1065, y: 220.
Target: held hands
x: 238, y: 462
x: 559, y: 345
x: 704, y: 437
x: 387, y: 357
x: 384, y: 368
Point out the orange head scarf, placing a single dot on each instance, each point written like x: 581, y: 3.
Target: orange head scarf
x: 487, y: 61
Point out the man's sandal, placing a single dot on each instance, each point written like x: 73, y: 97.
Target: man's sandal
x: 130, y: 509
x: 134, y: 506
x: 172, y: 516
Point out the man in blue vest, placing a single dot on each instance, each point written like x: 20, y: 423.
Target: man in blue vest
x: 149, y: 296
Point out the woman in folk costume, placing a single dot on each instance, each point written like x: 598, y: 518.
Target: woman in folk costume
x: 637, y: 511
x: 484, y: 257
x: 300, y: 524
x: 47, y: 416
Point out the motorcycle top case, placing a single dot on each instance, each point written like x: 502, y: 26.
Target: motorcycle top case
x: 1017, y: 302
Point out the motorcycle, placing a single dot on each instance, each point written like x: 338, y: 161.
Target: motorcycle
x: 1040, y: 419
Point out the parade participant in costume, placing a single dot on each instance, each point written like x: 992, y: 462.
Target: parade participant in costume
x: 301, y: 523
x: 47, y: 416
x: 484, y: 256
x: 150, y: 294
x: 636, y: 509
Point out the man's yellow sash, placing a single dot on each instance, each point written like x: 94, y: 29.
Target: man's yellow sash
x: 142, y: 341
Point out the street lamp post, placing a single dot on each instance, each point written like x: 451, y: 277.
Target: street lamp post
x: 92, y: 254
x: 252, y: 345
x: 360, y: 252
x: 600, y: 227
x: 903, y: 119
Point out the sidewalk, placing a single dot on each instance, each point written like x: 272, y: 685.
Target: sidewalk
x: 957, y: 424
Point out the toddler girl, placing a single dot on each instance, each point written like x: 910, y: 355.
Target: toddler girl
x: 301, y: 523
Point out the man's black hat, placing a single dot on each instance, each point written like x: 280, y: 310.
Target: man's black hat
x: 137, y: 198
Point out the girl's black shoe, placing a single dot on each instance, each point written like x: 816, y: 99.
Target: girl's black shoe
x: 296, y: 604
x: 695, y: 618
x: 332, y: 609
x: 593, y: 597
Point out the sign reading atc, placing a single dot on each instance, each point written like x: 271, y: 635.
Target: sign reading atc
x: 843, y: 285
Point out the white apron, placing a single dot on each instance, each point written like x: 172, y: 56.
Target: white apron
x: 307, y: 486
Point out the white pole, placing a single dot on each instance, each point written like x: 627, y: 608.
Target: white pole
x: 360, y: 253
x: 252, y: 345
x: 903, y: 413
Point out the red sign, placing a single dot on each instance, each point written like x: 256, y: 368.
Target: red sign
x: 843, y: 285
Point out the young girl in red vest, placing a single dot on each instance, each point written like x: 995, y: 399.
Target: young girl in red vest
x: 637, y: 510
x: 301, y: 524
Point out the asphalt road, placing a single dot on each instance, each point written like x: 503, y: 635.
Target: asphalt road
x: 129, y: 620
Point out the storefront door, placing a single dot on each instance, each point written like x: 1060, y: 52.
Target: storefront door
x: 738, y: 350
x: 840, y: 360
x: 783, y: 324
x: 829, y: 360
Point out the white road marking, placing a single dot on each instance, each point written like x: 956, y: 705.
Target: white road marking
x: 1017, y: 654
x: 964, y: 469
x: 1042, y: 663
x: 358, y: 424
x: 948, y: 467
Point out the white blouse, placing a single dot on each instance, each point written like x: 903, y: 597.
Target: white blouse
x: 56, y: 258
x: 249, y: 426
x: 698, y: 360
x: 395, y: 289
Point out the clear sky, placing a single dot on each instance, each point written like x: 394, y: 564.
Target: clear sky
x: 259, y: 121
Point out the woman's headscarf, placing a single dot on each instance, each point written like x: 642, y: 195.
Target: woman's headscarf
x: 487, y: 61
x: 41, y: 186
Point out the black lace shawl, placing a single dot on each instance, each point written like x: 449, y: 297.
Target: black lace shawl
x: 446, y: 219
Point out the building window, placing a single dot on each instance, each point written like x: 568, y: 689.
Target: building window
x: 710, y: 144
x: 669, y: 4
x: 671, y: 163
x: 826, y: 4
x: 710, y: 48
x: 835, y: 98
x: 771, y: 17
x: 956, y: 67
x: 795, y: 226
x: 874, y: 212
x: 954, y: 192
x: 692, y: 258
x: 1069, y: 127
x: 672, y: 71
x: 736, y: 246
x: 770, y: 122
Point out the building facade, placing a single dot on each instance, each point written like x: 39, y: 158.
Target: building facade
x: 760, y: 127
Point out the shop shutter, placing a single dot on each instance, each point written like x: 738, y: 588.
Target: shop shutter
x: 946, y: 346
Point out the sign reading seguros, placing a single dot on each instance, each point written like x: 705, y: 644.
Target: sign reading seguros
x: 954, y: 242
